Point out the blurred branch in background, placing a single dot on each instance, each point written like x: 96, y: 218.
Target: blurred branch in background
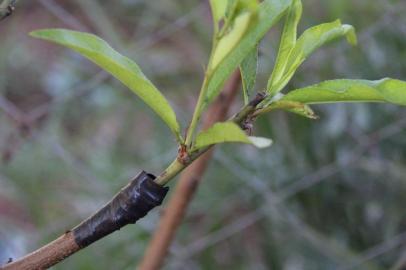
x: 274, y: 199
x: 187, y: 185
x: 6, y: 8
x: 63, y: 15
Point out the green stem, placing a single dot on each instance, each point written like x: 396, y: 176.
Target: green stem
x: 202, y: 95
x: 177, y: 166
x: 170, y: 172
x: 180, y: 139
x: 198, y: 110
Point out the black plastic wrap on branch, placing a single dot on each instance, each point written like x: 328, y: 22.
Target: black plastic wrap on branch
x: 133, y: 202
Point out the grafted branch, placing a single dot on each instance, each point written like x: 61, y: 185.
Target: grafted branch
x: 139, y: 197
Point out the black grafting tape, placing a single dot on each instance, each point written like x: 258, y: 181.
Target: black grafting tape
x: 133, y: 202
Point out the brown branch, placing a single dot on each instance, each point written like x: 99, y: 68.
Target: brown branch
x: 46, y: 256
x: 186, y: 187
x: 133, y: 202
x: 6, y: 8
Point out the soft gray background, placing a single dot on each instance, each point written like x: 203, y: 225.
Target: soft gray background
x: 329, y: 194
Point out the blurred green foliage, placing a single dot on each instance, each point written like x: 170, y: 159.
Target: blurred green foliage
x: 329, y: 194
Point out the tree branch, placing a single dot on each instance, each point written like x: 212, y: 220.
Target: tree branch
x: 187, y: 185
x: 132, y: 203
x: 6, y: 8
x: 48, y: 255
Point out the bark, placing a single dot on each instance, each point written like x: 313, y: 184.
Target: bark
x: 6, y: 8
x: 46, y: 256
x: 133, y: 202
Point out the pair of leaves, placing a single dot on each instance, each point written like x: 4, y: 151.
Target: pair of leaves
x: 293, y: 52
x: 128, y: 72
x: 227, y: 132
x: 261, y: 19
x: 121, y: 67
x: 248, y: 22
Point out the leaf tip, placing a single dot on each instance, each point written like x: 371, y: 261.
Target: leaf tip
x: 351, y: 34
x: 35, y: 33
x: 260, y: 142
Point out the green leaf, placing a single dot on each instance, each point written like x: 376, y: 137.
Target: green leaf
x: 260, y: 142
x: 227, y: 132
x: 288, y: 42
x: 312, y: 39
x: 269, y: 12
x: 218, y: 9
x: 248, y: 69
x: 239, y: 14
x: 121, y: 67
x: 303, y: 110
x: 294, y: 107
x: 231, y: 39
x: 317, y: 36
x: 385, y: 90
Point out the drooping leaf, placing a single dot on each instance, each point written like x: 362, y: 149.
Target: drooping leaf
x: 307, y: 43
x: 248, y: 69
x: 269, y: 12
x: 121, y: 67
x: 287, y: 43
x: 385, y: 90
x: 227, y: 132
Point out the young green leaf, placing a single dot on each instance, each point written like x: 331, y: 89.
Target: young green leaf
x: 121, y: 67
x: 269, y: 12
x: 287, y: 43
x: 218, y: 9
x: 227, y: 132
x: 238, y: 14
x: 303, y: 110
x: 385, y: 90
x: 290, y: 106
x: 308, y: 42
x: 248, y: 69
x: 231, y: 39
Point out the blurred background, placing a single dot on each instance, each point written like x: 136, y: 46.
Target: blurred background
x: 329, y: 194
